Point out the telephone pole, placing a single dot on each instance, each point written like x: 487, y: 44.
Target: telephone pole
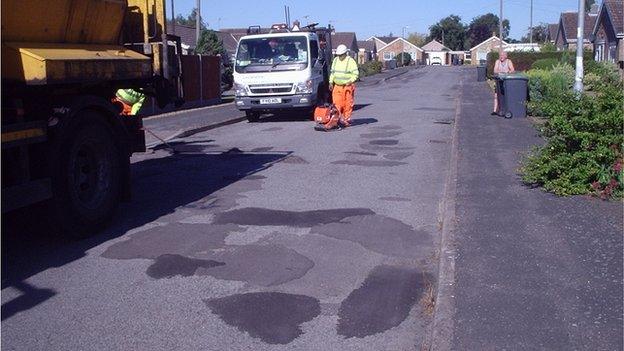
x: 197, y: 23
x: 173, y: 17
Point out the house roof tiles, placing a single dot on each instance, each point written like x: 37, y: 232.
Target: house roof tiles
x: 366, y: 45
x: 552, y: 31
x: 388, y: 39
x: 435, y: 45
x: 570, y: 23
x: 346, y: 38
x: 186, y: 33
x: 616, y: 12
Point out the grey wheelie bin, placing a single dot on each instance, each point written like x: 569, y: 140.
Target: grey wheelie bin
x: 481, y: 72
x: 512, y: 94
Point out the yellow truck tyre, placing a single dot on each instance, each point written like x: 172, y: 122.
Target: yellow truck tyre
x: 87, y: 184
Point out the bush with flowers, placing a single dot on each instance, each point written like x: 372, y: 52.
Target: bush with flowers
x: 584, y: 142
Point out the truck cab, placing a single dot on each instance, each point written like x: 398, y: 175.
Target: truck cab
x: 282, y: 71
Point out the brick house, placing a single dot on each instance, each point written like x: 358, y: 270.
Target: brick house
x: 347, y: 38
x: 380, y: 42
x: 436, y: 53
x: 367, y: 51
x: 397, y: 46
x: 187, y: 36
x: 480, y: 51
x: 608, y: 33
x: 566, y: 33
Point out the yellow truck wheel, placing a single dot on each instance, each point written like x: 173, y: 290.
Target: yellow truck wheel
x: 87, y: 185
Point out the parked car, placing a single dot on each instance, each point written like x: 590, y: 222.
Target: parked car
x: 436, y: 61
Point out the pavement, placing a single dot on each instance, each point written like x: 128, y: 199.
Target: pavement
x: 410, y: 230
x: 529, y: 270
x: 177, y: 124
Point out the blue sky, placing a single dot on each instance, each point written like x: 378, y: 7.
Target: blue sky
x: 375, y: 17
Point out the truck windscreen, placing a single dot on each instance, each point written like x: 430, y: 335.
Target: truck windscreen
x: 288, y: 53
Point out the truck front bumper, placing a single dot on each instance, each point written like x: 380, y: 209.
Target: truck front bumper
x: 252, y: 103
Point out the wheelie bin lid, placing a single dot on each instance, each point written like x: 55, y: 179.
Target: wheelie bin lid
x: 508, y: 76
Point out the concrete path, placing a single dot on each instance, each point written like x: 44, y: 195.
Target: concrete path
x: 532, y: 271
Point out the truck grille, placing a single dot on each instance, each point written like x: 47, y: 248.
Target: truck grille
x: 270, y: 89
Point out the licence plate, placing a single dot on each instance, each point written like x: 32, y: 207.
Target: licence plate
x: 270, y: 101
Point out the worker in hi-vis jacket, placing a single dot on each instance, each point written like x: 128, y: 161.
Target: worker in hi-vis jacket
x: 344, y: 72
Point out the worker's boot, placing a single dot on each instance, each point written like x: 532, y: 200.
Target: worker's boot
x: 345, y: 122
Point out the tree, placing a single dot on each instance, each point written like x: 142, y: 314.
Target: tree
x: 482, y: 27
x: 209, y: 44
x: 418, y: 39
x: 588, y: 4
x: 450, y: 31
x: 540, y: 34
x: 190, y: 20
x: 548, y: 47
x: 403, y: 59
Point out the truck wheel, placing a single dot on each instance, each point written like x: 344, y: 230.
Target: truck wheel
x: 88, y: 181
x: 252, y: 116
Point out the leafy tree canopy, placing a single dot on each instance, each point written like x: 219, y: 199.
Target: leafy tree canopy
x: 418, y: 39
x: 482, y: 27
x: 449, y: 31
x: 209, y: 44
x: 540, y: 34
x: 190, y: 20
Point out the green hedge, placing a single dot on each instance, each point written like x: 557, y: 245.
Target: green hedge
x: 370, y: 68
x: 583, y: 150
x: 584, y: 139
x: 523, y: 61
x: 407, y: 59
x: 546, y: 64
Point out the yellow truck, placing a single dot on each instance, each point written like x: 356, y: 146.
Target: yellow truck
x: 65, y: 141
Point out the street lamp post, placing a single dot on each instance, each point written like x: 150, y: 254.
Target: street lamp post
x: 578, y: 76
x: 500, y: 25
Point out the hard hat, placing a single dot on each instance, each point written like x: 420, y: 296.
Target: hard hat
x: 341, y: 49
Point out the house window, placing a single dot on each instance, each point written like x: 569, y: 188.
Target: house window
x: 599, y: 55
x: 388, y: 55
x: 612, y: 51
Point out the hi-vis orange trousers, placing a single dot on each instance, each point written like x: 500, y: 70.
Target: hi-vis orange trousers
x: 342, y: 96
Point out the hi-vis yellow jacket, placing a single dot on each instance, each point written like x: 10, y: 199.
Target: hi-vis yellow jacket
x: 344, y: 72
x: 132, y: 98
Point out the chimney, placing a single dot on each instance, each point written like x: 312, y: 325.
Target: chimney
x: 593, y: 10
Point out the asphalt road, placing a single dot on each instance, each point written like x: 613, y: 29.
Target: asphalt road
x: 273, y: 236
x: 263, y: 236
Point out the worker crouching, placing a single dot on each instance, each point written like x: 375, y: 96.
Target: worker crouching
x: 343, y: 75
x: 130, y: 100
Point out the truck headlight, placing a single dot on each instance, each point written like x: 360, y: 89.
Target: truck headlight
x: 240, y: 89
x: 305, y: 87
